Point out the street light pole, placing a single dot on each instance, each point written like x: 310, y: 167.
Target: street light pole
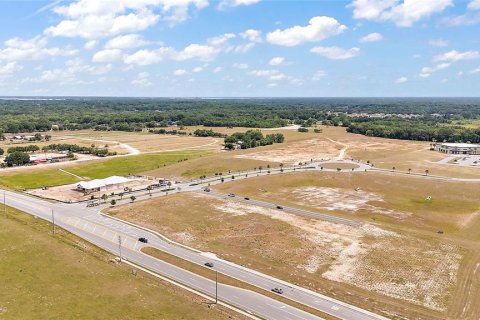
x: 120, y: 247
x: 4, y: 203
x: 53, y: 222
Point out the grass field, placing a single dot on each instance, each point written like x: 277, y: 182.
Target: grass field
x: 381, y: 197
x: 360, y: 266
x: 62, y: 277
x: 51, y: 176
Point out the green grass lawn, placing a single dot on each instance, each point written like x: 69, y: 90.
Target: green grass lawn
x: 62, y: 277
x: 36, y: 179
x: 132, y: 164
x: 32, y: 179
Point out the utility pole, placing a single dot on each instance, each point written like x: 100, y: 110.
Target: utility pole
x: 120, y: 247
x: 53, y: 222
x: 4, y: 203
x: 216, y: 287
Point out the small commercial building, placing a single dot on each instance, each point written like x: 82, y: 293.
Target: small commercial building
x: 458, y: 148
x: 101, y: 184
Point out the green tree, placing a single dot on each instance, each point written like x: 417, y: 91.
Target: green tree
x: 17, y: 159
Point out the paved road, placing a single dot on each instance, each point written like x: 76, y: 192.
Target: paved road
x: 104, y: 232
x: 296, y: 211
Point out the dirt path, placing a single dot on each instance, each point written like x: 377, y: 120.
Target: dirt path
x: 341, y: 154
x: 131, y: 150
x: 72, y: 174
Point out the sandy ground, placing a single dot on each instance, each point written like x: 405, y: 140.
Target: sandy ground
x: 301, y: 151
x: 417, y: 270
x: 352, y: 201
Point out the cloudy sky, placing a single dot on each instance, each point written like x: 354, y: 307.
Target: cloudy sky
x: 240, y: 48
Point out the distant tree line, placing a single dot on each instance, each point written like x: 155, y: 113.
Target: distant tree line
x: 420, y: 130
x: 73, y: 148
x: 208, y: 133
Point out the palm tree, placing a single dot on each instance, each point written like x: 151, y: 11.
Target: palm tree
x: 104, y: 198
x: 393, y: 169
x: 149, y: 188
x: 121, y: 194
x: 113, y: 202
x: 409, y: 170
x: 426, y: 172
x: 133, y: 198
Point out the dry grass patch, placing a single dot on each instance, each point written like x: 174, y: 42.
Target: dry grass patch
x: 325, y: 257
x: 385, y: 197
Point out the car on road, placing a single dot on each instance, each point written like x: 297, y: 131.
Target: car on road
x: 247, y: 198
x: 277, y: 290
x: 231, y: 195
x: 209, y: 264
x: 143, y: 240
x: 279, y: 207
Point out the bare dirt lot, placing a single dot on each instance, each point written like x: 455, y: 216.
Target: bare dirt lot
x: 69, y: 193
x: 300, y: 151
x: 354, y: 264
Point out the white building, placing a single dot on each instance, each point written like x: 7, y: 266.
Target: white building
x: 458, y: 148
x: 101, y: 184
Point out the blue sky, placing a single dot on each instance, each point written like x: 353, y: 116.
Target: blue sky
x: 240, y: 48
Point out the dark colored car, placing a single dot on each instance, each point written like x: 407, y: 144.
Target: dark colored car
x: 209, y: 264
x: 231, y: 195
x: 279, y: 207
x: 142, y: 239
x: 247, y: 198
x: 277, y: 290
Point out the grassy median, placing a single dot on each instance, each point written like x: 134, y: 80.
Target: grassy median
x: 63, y: 277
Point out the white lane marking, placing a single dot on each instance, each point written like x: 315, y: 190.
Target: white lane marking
x: 114, y: 236
x: 335, y: 308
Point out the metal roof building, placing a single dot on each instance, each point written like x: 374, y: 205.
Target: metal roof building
x: 98, y: 184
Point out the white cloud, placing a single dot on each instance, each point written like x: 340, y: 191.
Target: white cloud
x: 148, y: 57
x: 427, y: 71
x: 439, y: 43
x: 17, y: 49
x: 319, y: 28
x: 108, y: 55
x: 474, y: 5
x: 372, y: 37
x: 197, y: 69
x: 93, y: 19
x: 336, y: 53
x: 319, y: 75
x: 276, y: 61
x: 91, y: 44
x: 220, y: 40
x: 125, y: 42
x: 402, y: 13
x: 217, y: 70
x: 468, y: 19
x: 240, y: 65
x: 180, y: 72
x: 401, y: 80
x: 244, y: 47
x: 224, y: 4
x: 197, y: 51
x: 252, y: 35
x: 142, y: 80
x: 454, y: 55
x: 271, y: 75
x: 9, y: 68
x: 474, y: 71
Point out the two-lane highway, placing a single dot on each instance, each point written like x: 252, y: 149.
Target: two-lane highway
x: 103, y: 231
